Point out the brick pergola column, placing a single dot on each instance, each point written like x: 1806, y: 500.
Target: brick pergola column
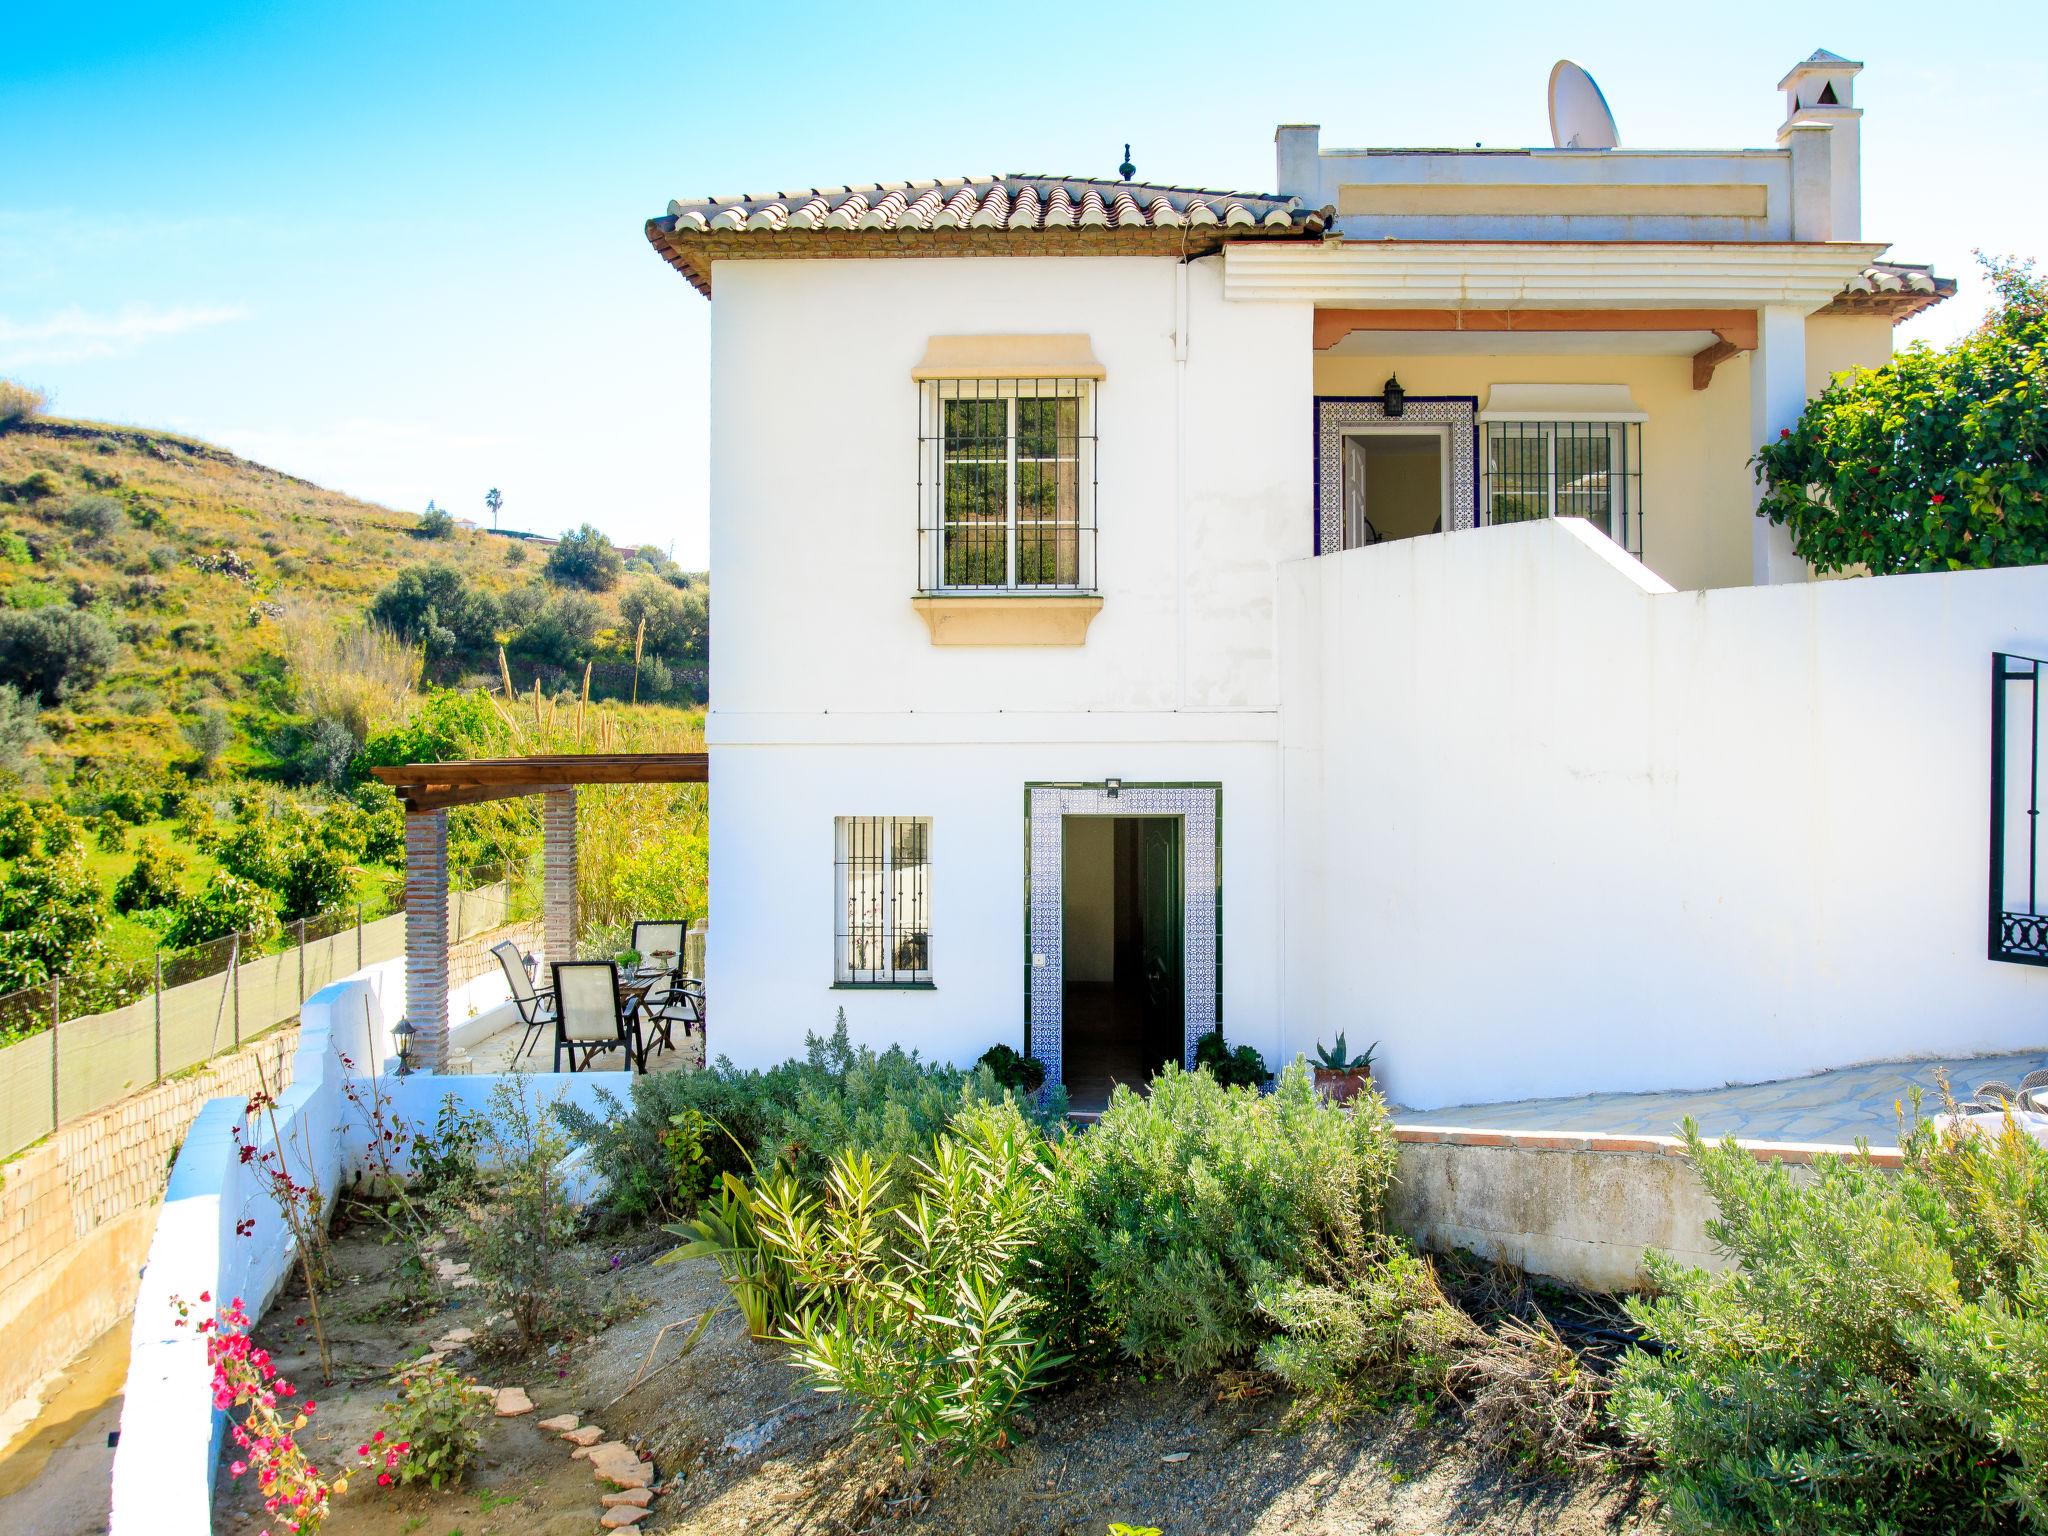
x: 426, y: 937
x: 558, y: 863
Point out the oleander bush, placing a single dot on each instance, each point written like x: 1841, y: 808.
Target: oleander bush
x: 1879, y: 1360
x: 911, y: 1288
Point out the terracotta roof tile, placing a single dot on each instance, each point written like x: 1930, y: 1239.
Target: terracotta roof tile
x: 977, y: 214
x: 1894, y: 288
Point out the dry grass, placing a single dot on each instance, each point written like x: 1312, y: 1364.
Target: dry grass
x: 18, y: 403
x: 362, y: 675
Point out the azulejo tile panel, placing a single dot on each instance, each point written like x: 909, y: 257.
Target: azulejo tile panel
x: 1197, y: 806
x: 1334, y: 414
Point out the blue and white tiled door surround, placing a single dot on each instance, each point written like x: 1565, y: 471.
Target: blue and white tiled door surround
x: 1199, y: 807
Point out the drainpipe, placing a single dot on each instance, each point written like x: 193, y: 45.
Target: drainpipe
x: 1180, y: 467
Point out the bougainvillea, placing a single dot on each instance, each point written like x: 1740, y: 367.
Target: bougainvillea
x: 266, y: 1435
x: 1937, y: 461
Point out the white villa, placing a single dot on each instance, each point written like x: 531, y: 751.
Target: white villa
x: 1147, y: 609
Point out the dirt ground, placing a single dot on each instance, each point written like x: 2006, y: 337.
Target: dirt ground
x: 740, y: 1446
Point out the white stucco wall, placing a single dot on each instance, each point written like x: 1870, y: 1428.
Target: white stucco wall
x: 774, y: 892
x: 1550, y: 830
x: 829, y: 699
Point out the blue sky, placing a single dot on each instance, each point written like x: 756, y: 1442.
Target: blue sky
x: 397, y: 249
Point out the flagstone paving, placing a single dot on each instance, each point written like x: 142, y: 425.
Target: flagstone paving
x: 1840, y: 1106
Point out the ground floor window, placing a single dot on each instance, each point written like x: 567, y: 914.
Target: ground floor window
x: 885, y: 918
x: 1588, y: 469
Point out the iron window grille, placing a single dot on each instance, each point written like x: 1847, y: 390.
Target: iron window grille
x: 2019, y: 921
x: 885, y: 901
x: 1588, y: 469
x: 1006, y: 485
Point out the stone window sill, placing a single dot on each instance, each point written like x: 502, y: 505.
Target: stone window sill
x: 1008, y: 618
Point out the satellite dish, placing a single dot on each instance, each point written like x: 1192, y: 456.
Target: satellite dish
x: 1579, y: 118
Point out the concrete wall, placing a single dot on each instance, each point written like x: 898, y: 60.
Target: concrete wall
x: 1583, y: 1209
x: 1551, y: 829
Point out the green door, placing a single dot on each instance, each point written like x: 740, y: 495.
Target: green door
x: 1160, y: 890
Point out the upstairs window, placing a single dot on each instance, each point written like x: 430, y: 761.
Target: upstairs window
x: 1588, y: 469
x: 885, y: 901
x: 1006, y: 485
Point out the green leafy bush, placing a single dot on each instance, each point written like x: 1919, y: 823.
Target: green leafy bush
x: 801, y: 1112
x: 911, y: 1301
x: 227, y: 904
x: 1879, y: 1360
x: 587, y: 559
x: 1018, y: 1073
x: 153, y: 881
x: 436, y: 1422
x: 727, y: 1229
x: 52, y: 915
x: 1936, y: 461
x: 519, y: 1225
x: 1179, y: 1210
x: 54, y: 652
x: 1243, y: 1067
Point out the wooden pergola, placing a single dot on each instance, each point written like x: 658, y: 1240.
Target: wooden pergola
x: 429, y: 790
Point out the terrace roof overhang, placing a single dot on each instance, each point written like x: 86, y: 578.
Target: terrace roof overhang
x: 440, y: 786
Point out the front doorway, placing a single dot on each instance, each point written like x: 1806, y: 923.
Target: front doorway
x: 1190, y: 854
x: 1396, y: 482
x: 1122, y: 891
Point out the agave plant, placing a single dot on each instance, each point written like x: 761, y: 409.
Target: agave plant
x: 1337, y: 1058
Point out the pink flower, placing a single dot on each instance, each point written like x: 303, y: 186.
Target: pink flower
x: 383, y: 1479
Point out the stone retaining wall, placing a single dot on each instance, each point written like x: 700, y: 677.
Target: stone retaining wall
x: 1581, y: 1208
x: 77, y: 1209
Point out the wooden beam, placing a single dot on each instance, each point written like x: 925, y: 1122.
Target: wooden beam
x: 1707, y: 359
x: 442, y: 797
x: 530, y: 775
x: 1333, y: 325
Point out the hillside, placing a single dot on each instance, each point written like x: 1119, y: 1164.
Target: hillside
x: 196, y: 560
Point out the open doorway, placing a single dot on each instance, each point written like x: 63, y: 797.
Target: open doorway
x: 1122, y: 888
x: 1396, y: 482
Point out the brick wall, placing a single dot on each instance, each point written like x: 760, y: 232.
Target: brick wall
x: 76, y: 1211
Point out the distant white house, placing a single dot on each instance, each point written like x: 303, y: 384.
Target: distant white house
x: 1145, y: 609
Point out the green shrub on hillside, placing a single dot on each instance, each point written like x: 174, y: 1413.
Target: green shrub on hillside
x: 1181, y: 1209
x: 52, y: 917
x: 563, y: 634
x: 435, y: 523
x: 585, y: 559
x: 153, y: 881
x: 95, y: 517
x: 21, y: 731
x: 1879, y: 1360
x: 436, y: 607
x: 18, y: 403
x: 228, y: 904
x: 52, y: 652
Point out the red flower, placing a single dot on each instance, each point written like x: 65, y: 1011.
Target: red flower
x: 383, y: 1479
x: 1938, y: 499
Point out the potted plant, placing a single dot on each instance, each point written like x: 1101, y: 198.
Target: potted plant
x: 1340, y: 1076
x: 629, y: 960
x: 1021, y: 1074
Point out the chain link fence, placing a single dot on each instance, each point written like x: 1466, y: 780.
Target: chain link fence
x: 87, y: 1042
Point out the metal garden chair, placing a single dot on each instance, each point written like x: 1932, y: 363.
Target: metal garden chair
x: 589, y: 1018
x: 536, y: 1007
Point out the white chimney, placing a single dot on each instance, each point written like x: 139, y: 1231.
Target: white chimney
x: 1820, y: 94
x: 1298, y: 162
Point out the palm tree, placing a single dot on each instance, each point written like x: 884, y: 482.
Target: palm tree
x: 493, y: 501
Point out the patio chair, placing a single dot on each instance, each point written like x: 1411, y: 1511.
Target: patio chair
x: 1995, y: 1095
x: 648, y: 938
x: 536, y: 1007
x: 681, y: 1002
x: 589, y: 1018
x: 2034, y: 1092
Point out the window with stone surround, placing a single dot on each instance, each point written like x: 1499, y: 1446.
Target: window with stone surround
x: 1006, y: 485
x: 885, y: 911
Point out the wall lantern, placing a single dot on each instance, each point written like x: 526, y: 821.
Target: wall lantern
x: 1113, y: 787
x: 1395, y: 397
x: 402, y: 1034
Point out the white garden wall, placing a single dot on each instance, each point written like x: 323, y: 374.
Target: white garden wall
x: 170, y: 1435
x: 1551, y: 828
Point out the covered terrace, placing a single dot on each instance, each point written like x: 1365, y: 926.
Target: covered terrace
x: 429, y: 791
